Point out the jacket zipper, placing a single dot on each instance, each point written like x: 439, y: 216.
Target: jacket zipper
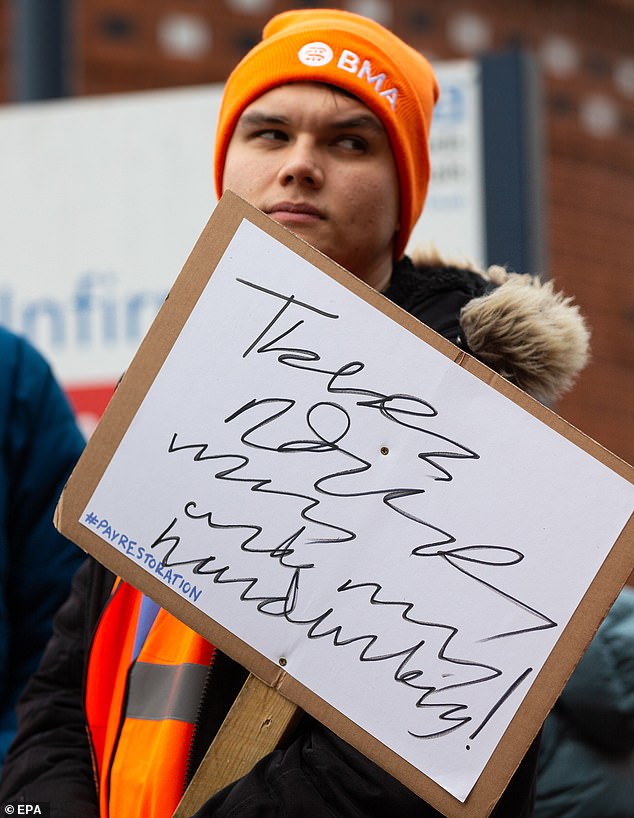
x: 190, y: 768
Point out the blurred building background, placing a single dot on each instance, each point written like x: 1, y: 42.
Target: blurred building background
x: 585, y: 51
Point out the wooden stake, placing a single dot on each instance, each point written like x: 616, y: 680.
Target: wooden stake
x: 257, y: 723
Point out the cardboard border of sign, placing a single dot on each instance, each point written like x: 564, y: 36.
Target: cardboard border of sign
x: 606, y: 585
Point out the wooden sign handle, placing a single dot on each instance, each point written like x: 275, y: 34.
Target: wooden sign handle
x: 257, y: 723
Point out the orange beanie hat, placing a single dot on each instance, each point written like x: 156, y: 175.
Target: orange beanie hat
x: 360, y: 56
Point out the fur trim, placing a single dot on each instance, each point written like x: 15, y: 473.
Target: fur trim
x: 525, y: 330
x: 528, y: 333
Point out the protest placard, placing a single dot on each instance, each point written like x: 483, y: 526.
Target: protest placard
x: 372, y: 522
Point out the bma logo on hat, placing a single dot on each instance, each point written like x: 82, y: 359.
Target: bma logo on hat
x: 315, y: 54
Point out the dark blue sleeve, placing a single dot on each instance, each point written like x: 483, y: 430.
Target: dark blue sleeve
x: 40, y: 445
x: 598, y: 700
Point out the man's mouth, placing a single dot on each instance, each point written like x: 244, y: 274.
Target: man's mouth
x: 294, y: 213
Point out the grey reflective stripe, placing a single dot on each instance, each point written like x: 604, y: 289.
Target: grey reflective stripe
x: 158, y: 692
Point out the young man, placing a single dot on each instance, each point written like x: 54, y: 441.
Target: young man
x: 324, y: 126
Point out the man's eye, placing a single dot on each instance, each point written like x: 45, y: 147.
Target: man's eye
x: 352, y: 143
x: 271, y: 134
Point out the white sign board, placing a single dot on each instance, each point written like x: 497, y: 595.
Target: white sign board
x: 333, y: 490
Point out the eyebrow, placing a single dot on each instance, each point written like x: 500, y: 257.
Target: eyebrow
x: 262, y: 118
x: 358, y: 121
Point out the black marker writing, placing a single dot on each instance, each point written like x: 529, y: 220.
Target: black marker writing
x: 275, y: 515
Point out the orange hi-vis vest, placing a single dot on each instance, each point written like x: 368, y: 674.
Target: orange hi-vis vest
x: 141, y: 713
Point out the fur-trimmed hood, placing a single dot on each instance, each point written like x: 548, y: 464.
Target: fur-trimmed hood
x: 520, y: 326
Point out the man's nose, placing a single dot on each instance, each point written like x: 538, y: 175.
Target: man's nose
x: 301, y: 165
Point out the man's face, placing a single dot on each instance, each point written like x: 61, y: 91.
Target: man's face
x: 320, y: 163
